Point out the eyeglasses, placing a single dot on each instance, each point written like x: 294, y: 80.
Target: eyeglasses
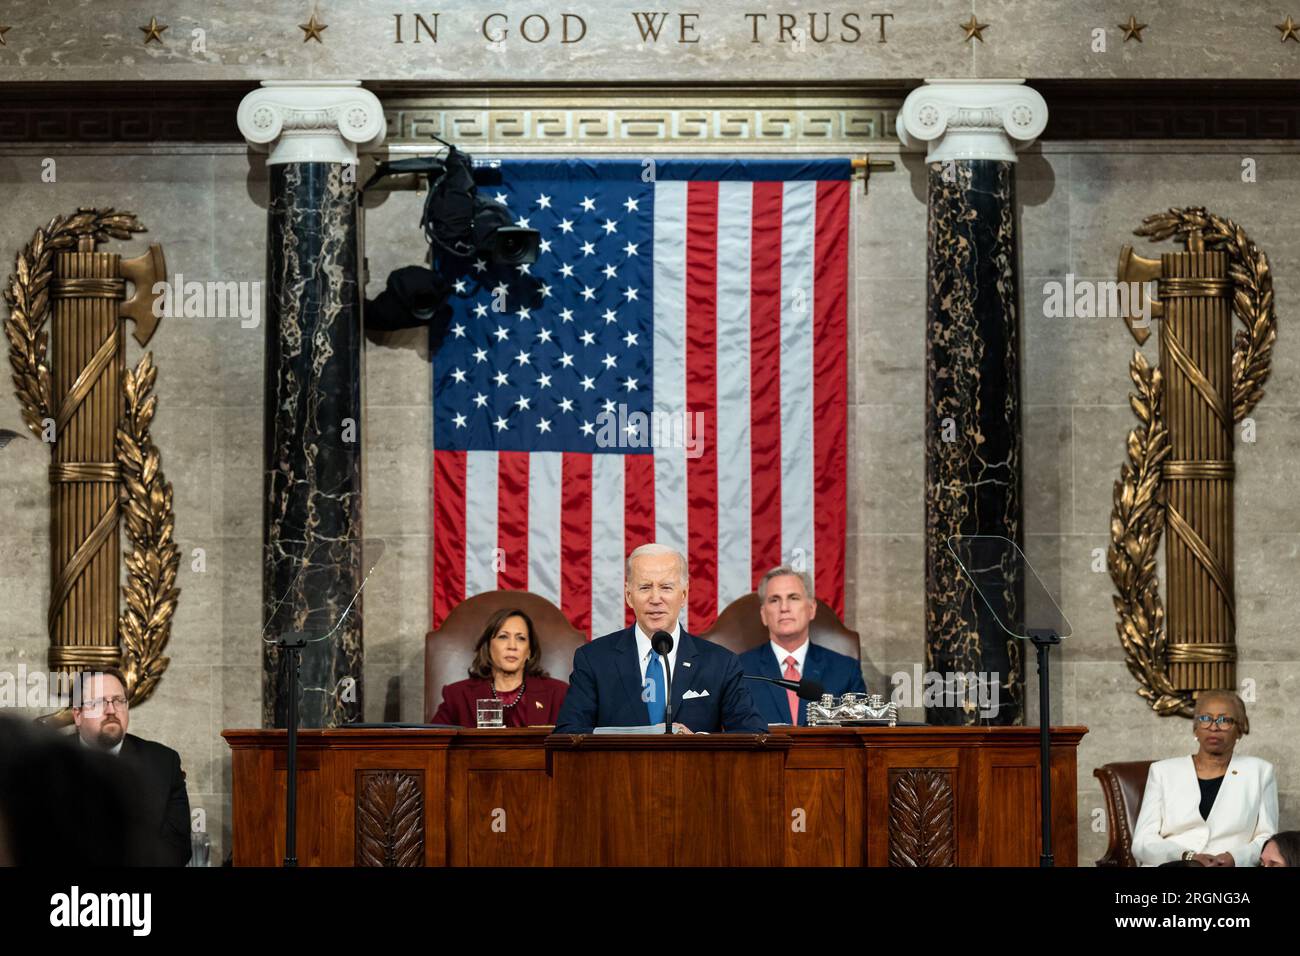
x: 96, y: 704
x: 1223, y: 720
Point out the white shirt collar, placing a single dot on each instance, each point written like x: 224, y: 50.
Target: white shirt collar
x: 643, y: 647
x: 800, y: 654
x: 115, y: 751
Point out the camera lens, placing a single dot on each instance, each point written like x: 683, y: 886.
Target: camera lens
x: 511, y: 247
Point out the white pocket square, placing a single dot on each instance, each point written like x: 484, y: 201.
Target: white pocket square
x: 692, y: 694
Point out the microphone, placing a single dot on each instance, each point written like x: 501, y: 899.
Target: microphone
x: 661, y: 642
x: 806, y: 689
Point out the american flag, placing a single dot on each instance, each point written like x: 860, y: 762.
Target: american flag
x: 672, y: 368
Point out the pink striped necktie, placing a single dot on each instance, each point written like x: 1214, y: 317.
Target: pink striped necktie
x: 792, y: 673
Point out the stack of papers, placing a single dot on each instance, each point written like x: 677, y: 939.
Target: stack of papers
x: 644, y: 729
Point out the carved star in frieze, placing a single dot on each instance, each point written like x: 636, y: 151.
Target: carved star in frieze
x: 1288, y: 28
x: 312, y: 29
x: 974, y: 29
x: 3, y: 31
x: 1132, y: 29
x: 153, y: 31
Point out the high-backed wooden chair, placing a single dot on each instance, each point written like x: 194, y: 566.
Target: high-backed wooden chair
x: 739, y: 629
x: 449, y: 650
x: 1122, y: 784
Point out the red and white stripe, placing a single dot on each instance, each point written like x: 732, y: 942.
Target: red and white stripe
x: 750, y: 330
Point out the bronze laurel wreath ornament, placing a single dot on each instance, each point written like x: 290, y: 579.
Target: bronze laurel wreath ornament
x: 144, y: 500
x: 151, y: 593
x: 1141, y: 509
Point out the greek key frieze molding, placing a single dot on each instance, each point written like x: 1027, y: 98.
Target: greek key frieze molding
x: 744, y: 119
x: 706, y: 123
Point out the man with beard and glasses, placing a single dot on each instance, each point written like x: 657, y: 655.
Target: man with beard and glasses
x: 158, y: 782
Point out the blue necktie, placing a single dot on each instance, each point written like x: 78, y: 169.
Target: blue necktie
x: 654, y: 689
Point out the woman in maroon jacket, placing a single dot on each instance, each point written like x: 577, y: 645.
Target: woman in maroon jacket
x: 507, y: 665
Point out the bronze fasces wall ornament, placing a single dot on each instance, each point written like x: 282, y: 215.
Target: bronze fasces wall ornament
x: 1177, y: 480
x: 67, y: 351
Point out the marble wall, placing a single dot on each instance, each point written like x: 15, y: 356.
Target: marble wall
x: 1078, y: 203
x: 207, y: 206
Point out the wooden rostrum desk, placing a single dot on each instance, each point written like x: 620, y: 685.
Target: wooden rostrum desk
x: 816, y: 796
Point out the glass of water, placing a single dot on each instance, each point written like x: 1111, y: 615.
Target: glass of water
x: 490, y: 713
x: 200, y: 849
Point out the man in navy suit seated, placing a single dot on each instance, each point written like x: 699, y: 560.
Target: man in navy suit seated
x: 787, y: 606
x: 618, y: 681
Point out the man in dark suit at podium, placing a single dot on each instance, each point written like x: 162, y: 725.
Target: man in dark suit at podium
x: 787, y: 606
x: 618, y: 681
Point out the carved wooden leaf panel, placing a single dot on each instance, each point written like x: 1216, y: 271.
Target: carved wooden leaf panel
x: 921, y: 818
x: 390, y: 818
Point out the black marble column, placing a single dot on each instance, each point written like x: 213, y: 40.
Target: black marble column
x: 312, y: 560
x: 973, y: 438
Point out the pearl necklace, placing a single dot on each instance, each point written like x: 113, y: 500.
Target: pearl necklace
x: 518, y: 697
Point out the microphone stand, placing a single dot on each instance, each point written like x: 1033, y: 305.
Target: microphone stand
x: 293, y: 643
x: 668, y: 692
x: 1043, y: 641
x: 1006, y: 582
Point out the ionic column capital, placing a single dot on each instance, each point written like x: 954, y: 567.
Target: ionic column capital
x: 971, y: 119
x: 312, y: 121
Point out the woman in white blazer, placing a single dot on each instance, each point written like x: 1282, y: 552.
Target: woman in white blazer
x: 1214, y: 807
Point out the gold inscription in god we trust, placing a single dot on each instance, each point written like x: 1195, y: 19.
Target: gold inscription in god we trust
x: 659, y: 27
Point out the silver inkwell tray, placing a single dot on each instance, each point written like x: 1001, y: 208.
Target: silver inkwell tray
x: 852, y: 710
